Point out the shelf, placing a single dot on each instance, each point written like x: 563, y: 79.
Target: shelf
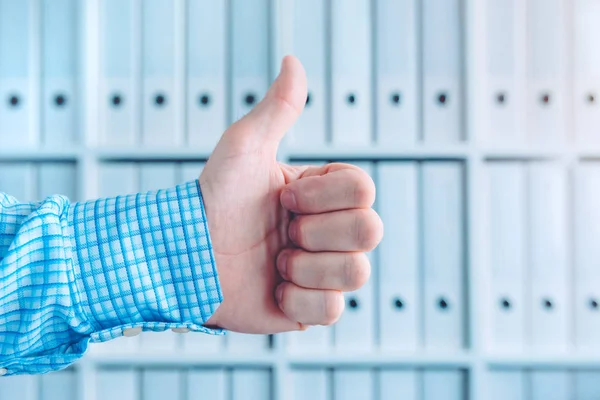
x: 162, y: 154
x: 184, y: 359
x: 40, y: 154
x: 541, y: 361
x: 375, y: 153
x: 383, y: 359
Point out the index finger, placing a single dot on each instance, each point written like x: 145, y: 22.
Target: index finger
x: 333, y: 187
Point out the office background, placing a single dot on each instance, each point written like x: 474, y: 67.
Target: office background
x: 479, y: 120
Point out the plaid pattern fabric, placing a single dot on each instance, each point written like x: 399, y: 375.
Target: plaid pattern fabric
x: 74, y: 273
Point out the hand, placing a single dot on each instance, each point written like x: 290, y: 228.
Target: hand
x: 287, y: 240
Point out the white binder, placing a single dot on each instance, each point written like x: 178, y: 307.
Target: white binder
x: 60, y: 99
x: 549, y: 308
x: 443, y: 255
x: 550, y: 385
x: 57, y: 179
x: 504, y: 94
x: 250, y: 54
x: 16, y: 86
x: 587, y: 254
x: 309, y: 45
x: 189, y: 171
x: 444, y: 385
x: 507, y: 384
x: 442, y: 65
x: 246, y: 343
x: 161, y: 384
x: 254, y: 384
x: 18, y: 180
x: 118, y: 179
x: 59, y: 386
x: 122, y: 384
x: 354, y: 331
x: 316, y: 339
x: 507, y: 243
x: 22, y: 387
x: 206, y: 71
x: 158, y: 73
x: 351, y: 72
x: 207, y: 384
x: 399, y: 291
x: 397, y: 99
x: 399, y: 384
x: 546, y: 70
x: 310, y: 384
x: 586, y: 77
x: 202, y: 343
x: 155, y: 176
x: 587, y: 385
x: 118, y: 101
x: 353, y: 384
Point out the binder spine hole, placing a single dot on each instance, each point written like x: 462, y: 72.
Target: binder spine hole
x: 307, y: 99
x: 250, y: 99
x: 500, y: 98
x: 398, y: 303
x: 351, y: 99
x: 545, y: 99
x: 160, y: 100
x: 591, y: 98
x: 60, y: 100
x: 204, y: 100
x: 13, y: 100
x: 116, y: 100
x: 505, y: 304
x: 395, y: 98
x: 594, y: 304
x: 548, y: 304
x: 443, y: 304
x: 442, y: 98
x: 353, y: 303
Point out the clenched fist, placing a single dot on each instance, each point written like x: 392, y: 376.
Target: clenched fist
x: 287, y: 240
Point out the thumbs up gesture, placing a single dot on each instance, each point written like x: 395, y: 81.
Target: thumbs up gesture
x: 288, y: 241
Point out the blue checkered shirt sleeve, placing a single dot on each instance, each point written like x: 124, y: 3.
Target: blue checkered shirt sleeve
x: 81, y: 272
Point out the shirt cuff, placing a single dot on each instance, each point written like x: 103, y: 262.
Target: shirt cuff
x: 144, y: 260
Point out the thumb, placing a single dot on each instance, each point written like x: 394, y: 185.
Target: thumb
x: 270, y: 119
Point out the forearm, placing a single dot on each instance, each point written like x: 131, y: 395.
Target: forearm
x: 99, y: 268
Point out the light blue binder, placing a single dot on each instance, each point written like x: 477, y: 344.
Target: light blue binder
x: 207, y: 58
x: 61, y: 98
x: 16, y: 83
x: 118, y: 99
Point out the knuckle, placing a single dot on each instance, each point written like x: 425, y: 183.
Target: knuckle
x: 284, y: 300
x: 291, y: 264
x: 309, y: 196
x: 368, y: 229
x: 288, y: 303
x: 300, y: 231
x: 333, y: 307
x: 357, y: 270
x: 363, y: 189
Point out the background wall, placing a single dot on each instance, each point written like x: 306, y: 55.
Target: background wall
x: 479, y: 120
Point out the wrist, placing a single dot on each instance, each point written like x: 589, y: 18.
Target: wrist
x: 145, y: 258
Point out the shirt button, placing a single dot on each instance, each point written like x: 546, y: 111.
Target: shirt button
x: 130, y: 332
x: 3, y: 371
x: 180, y: 330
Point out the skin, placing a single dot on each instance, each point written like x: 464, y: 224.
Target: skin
x: 288, y: 240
